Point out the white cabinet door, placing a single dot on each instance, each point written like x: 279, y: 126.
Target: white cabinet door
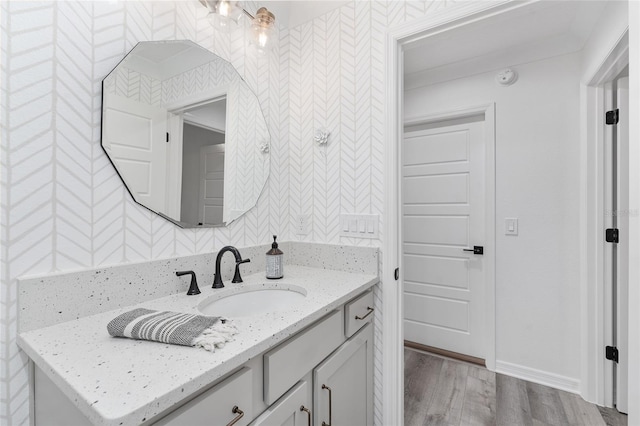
x: 343, y: 383
x: 293, y: 409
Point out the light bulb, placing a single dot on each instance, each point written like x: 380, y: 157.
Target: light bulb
x: 225, y: 15
x: 263, y: 39
x: 224, y: 8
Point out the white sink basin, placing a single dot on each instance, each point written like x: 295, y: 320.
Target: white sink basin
x: 253, y: 302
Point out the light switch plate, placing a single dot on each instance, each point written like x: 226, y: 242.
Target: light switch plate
x: 511, y: 226
x: 359, y: 225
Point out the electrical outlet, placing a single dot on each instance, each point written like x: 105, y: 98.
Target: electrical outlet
x: 302, y: 224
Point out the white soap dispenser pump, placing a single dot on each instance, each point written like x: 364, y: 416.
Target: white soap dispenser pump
x: 275, y: 266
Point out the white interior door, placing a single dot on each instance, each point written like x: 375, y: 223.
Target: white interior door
x: 622, y: 248
x: 210, y: 208
x: 134, y: 135
x: 443, y: 208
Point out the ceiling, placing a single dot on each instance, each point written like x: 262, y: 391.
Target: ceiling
x: 532, y: 32
x: 211, y: 115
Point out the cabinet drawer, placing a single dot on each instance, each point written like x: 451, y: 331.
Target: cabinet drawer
x: 286, y: 364
x: 357, y: 313
x: 215, y: 406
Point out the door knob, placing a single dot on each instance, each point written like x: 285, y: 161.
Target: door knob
x: 476, y: 250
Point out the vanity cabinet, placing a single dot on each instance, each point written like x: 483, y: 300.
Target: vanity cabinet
x: 320, y: 375
x: 343, y: 383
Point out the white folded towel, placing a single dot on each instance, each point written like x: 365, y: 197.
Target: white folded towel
x: 173, y: 327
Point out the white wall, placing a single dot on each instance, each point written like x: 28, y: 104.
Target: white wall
x: 537, y: 181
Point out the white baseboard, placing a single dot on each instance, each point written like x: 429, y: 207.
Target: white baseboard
x: 538, y: 376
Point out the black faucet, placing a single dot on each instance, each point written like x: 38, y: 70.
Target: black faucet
x: 193, y: 288
x: 217, y: 279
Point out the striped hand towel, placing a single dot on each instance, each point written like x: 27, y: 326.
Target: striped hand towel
x: 172, y: 327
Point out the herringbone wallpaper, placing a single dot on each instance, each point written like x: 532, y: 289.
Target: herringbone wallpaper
x: 63, y: 206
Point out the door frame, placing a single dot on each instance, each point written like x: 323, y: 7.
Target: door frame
x: 596, y: 383
x: 392, y: 328
x: 175, y: 111
x: 488, y: 110
x: 454, y: 16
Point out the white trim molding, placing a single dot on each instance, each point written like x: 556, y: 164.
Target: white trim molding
x: 539, y: 376
x: 634, y: 203
x: 596, y: 318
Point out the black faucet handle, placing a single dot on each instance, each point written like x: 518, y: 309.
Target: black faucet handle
x: 193, y: 287
x: 236, y: 277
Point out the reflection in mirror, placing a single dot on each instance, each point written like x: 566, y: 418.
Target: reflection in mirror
x: 185, y: 133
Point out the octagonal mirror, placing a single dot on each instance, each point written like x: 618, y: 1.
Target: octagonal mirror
x: 185, y: 133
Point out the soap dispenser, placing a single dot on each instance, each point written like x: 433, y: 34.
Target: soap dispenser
x: 275, y: 266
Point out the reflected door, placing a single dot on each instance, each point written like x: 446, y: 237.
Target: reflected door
x: 134, y: 137
x: 210, y: 208
x: 443, y: 214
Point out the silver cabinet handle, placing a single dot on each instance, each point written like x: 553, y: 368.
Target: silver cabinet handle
x: 370, y: 309
x: 303, y: 408
x: 240, y: 414
x: 329, y: 389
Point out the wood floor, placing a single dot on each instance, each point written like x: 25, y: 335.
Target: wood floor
x: 440, y: 391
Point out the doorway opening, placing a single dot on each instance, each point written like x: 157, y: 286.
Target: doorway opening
x: 203, y: 143
x: 197, y: 159
x: 463, y: 23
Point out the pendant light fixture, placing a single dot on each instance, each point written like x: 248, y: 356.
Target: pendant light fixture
x: 263, y: 30
x: 224, y: 15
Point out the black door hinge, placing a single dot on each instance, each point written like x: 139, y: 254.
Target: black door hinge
x: 611, y: 353
x: 612, y: 235
x: 611, y: 117
x: 396, y: 274
x: 167, y: 136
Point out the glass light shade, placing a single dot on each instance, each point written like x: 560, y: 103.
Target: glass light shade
x: 263, y: 31
x: 224, y: 15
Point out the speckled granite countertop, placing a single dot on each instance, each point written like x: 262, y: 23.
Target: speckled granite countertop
x: 118, y: 381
